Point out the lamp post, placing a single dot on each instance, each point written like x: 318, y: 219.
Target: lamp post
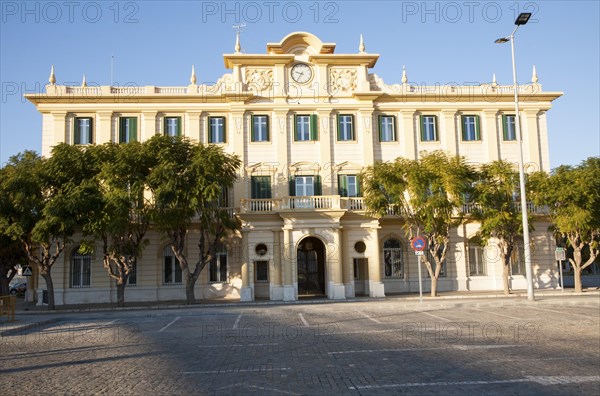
x: 521, y: 20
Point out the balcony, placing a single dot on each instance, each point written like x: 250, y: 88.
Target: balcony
x: 471, y: 207
x: 320, y: 202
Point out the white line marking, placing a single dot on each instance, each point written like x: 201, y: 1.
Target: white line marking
x: 173, y: 321
x: 568, y: 313
x: 98, y: 327
x: 303, y: 320
x: 368, y: 317
x: 496, y: 313
x: 234, y: 371
x: 460, y: 347
x: 236, y: 345
x: 554, y: 380
x: 237, y: 321
x: 435, y: 316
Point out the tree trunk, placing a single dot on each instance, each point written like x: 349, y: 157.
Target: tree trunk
x: 190, y: 282
x: 505, y: 281
x: 49, y: 287
x: 4, y: 288
x: 434, y: 283
x: 577, y: 278
x: 121, y: 292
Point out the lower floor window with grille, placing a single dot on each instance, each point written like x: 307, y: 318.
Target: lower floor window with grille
x: 171, y: 268
x: 517, y: 261
x: 81, y: 270
x: 477, y: 266
x: 262, y: 271
x: 392, y: 258
x: 218, y: 266
x: 360, y: 268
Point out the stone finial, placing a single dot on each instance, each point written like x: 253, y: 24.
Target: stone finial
x: 238, y: 47
x: 361, y: 45
x: 84, y: 82
x: 404, y: 78
x: 494, y: 83
x: 193, y: 76
x: 52, y: 78
x: 534, y: 76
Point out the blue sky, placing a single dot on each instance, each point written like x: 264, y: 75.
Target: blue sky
x: 156, y: 42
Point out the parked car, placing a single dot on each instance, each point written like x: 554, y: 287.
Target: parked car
x: 18, y: 288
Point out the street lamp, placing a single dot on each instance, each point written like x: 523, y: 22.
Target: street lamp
x: 521, y: 20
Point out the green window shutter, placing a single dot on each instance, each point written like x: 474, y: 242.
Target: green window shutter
x: 342, y: 185
x: 318, y: 187
x: 339, y: 128
x: 76, y: 132
x: 380, y: 128
x: 91, y: 137
x: 165, y: 126
x: 477, y: 128
x: 133, y: 124
x: 292, y: 186
x: 224, y: 130
x: 464, y: 127
x: 209, y: 129
x: 358, y: 187
x: 295, y: 127
x: 178, y: 126
x: 254, y: 187
x: 268, y: 128
x: 252, y: 128
x: 352, y: 128
x: 314, y: 127
x: 122, y: 129
x: 422, y: 122
x: 505, y: 127
x: 267, y: 187
x: 435, y: 129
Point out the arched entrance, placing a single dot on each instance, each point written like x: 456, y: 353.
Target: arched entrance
x: 311, y: 267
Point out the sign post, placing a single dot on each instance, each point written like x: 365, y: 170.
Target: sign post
x: 418, y: 243
x: 560, y: 255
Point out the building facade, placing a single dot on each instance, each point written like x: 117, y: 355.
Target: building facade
x: 305, y: 121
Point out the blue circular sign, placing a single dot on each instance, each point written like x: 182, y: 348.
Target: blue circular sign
x: 418, y: 243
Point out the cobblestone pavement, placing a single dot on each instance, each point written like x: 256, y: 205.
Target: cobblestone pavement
x: 377, y: 347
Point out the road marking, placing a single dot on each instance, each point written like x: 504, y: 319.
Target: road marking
x: 496, y: 313
x: 97, y: 326
x: 460, y: 347
x: 234, y: 371
x: 368, y: 317
x: 549, y: 380
x: 303, y: 320
x: 236, y: 345
x: 435, y: 316
x: 568, y: 313
x: 237, y: 321
x: 173, y: 321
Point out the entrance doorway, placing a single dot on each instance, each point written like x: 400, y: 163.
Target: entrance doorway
x: 311, y: 267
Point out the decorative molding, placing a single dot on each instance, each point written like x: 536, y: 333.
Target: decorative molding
x: 259, y: 79
x: 342, y: 80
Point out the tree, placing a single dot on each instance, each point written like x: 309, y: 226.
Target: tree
x: 11, y: 254
x: 427, y: 194
x: 187, y: 181
x: 497, y: 211
x: 119, y: 214
x: 572, y: 195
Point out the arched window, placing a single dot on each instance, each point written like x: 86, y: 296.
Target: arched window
x: 171, y: 268
x: 476, y: 256
x: 218, y: 266
x: 81, y: 269
x: 393, y: 258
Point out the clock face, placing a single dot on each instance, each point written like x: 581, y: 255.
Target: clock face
x: 301, y: 73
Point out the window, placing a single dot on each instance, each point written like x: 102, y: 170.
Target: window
x: 260, y: 187
x: 217, y: 268
x: 345, y: 127
x: 429, y: 128
x: 216, y: 129
x: 360, y: 268
x: 305, y: 128
x: 393, y: 258
x: 83, y: 130
x: 470, y: 128
x: 517, y: 261
x: 262, y: 271
x: 171, y: 268
x: 260, y: 128
x: 387, y: 128
x: 127, y: 129
x: 348, y: 186
x: 305, y: 186
x: 172, y: 126
x: 81, y: 269
x: 477, y: 265
x: 508, y: 127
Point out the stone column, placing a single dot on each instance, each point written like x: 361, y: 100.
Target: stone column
x: 347, y: 265
x: 448, y: 131
x: 103, y: 129
x: 376, y: 287
x: 406, y: 128
x: 337, y: 291
x: 489, y: 134
x: 147, y: 125
x: 193, y: 125
x: 246, y: 293
x: 367, y: 130
x: 289, y: 291
x: 531, y: 141
x: 276, y: 284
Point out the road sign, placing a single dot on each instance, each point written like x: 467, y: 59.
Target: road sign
x: 418, y: 252
x: 27, y: 271
x: 560, y: 254
x: 418, y: 243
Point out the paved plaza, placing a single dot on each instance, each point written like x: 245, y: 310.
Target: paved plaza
x: 515, y: 347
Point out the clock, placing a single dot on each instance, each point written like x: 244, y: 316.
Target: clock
x: 301, y: 73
